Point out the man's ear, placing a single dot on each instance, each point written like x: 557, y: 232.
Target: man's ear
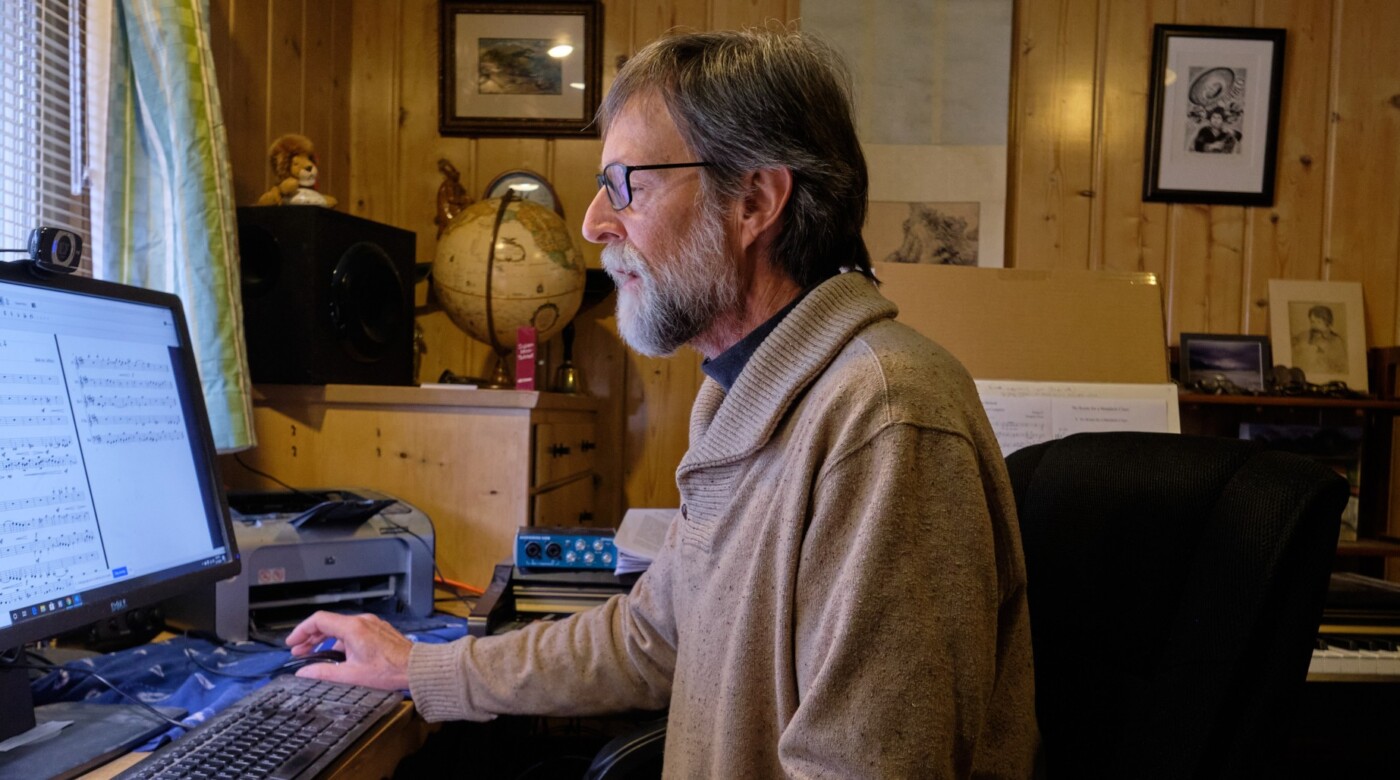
x: 762, y: 205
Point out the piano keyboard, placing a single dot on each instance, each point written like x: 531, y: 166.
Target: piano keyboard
x: 1355, y: 657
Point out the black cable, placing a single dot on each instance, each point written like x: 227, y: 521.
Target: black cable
x: 189, y: 655
x: 432, y: 554
x: 239, y: 459
x: 49, y: 666
x: 25, y: 251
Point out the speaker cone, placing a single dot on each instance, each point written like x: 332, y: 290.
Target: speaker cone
x: 366, y: 302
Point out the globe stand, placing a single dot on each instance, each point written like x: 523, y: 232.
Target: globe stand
x: 500, y: 378
x: 535, y: 250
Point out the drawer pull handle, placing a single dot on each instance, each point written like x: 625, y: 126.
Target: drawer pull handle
x: 559, y: 450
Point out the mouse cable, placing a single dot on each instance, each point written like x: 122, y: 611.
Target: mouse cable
x: 49, y: 666
x: 190, y: 656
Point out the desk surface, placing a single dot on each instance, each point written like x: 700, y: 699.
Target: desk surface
x: 399, y: 735
x: 375, y: 755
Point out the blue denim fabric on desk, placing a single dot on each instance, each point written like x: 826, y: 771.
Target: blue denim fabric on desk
x: 164, y: 673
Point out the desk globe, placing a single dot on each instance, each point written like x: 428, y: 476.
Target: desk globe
x: 506, y: 263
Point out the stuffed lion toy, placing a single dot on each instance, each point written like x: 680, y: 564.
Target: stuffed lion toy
x: 293, y: 161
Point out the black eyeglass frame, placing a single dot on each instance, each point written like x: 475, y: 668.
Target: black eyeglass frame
x: 627, y: 179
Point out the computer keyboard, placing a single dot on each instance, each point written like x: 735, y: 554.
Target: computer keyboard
x: 291, y: 728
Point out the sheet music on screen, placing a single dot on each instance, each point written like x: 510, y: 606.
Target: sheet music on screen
x: 96, y: 456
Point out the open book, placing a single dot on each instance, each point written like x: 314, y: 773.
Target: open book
x: 639, y: 538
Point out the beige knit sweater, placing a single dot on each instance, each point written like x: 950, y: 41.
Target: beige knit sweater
x: 843, y: 594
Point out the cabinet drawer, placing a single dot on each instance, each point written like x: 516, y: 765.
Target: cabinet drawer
x: 562, y: 450
x: 567, y: 505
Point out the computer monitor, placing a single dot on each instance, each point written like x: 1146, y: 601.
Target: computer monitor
x: 110, y: 497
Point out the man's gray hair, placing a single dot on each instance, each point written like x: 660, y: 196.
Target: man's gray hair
x: 755, y: 99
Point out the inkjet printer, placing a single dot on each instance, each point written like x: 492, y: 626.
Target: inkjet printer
x: 349, y: 550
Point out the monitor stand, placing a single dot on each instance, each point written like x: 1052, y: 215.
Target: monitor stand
x: 95, y: 734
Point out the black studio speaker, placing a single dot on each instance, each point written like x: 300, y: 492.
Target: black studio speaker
x: 327, y: 297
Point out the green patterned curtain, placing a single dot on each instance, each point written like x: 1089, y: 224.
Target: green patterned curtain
x: 163, y: 209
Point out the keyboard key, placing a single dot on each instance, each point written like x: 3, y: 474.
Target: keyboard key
x: 290, y: 729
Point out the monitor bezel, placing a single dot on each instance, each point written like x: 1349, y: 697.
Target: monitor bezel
x: 147, y: 590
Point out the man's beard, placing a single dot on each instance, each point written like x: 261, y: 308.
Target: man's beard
x: 680, y: 293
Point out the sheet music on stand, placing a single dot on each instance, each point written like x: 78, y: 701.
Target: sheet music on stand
x: 1026, y: 413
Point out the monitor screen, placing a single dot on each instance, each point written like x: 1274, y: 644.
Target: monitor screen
x: 110, y: 498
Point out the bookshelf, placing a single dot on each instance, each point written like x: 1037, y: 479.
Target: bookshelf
x: 1222, y: 415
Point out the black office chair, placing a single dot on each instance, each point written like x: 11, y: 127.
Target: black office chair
x: 1175, y: 585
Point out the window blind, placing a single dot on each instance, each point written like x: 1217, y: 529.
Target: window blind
x: 42, y: 142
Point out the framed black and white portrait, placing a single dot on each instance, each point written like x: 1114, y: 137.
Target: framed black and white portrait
x: 1320, y: 327
x: 1213, y: 98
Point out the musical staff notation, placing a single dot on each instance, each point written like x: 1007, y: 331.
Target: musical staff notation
x: 123, y: 401
x: 37, y: 547
x: 25, y: 583
x: 33, y: 419
x: 135, y: 420
x: 30, y: 442
x: 29, y: 379
x: 132, y: 437
x: 29, y: 400
x: 61, y: 495
x: 34, y: 461
x: 54, y: 519
x: 129, y: 384
x: 106, y: 362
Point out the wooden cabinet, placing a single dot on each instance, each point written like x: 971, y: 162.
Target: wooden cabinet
x: 1222, y: 415
x: 479, y: 463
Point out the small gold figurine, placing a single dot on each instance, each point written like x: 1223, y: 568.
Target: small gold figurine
x: 452, y: 197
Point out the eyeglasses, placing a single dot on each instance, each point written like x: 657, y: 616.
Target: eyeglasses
x: 617, y: 180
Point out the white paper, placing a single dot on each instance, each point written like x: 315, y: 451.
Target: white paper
x: 41, y: 731
x: 639, y: 538
x: 1026, y: 413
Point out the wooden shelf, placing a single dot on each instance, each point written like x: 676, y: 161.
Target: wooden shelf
x: 1369, y: 548
x: 1221, y: 415
x: 1290, y: 401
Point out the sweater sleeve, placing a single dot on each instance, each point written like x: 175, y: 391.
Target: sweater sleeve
x: 617, y: 656
x: 898, y: 615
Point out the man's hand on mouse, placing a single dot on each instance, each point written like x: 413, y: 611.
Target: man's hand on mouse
x: 376, y: 654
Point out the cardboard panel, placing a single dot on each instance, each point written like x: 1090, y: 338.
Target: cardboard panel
x: 1034, y: 325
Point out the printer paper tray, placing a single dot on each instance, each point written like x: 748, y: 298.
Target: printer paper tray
x: 325, y: 598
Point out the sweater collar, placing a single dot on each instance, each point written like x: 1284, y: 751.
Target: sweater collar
x: 727, y: 367
x: 728, y: 426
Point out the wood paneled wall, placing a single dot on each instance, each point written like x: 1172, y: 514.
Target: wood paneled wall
x: 359, y: 77
x: 1078, y: 128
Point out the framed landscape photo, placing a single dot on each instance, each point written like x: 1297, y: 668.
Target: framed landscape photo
x: 1320, y: 327
x: 1219, y: 360
x: 519, y: 68
x: 1213, y: 102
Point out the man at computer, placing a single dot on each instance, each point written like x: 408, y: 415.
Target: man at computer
x: 842, y: 593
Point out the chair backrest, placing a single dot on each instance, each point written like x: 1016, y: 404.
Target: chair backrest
x: 1175, y: 585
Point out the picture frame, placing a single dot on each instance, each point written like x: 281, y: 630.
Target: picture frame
x: 1216, y: 361
x: 520, y: 69
x: 1213, y: 103
x: 1320, y: 327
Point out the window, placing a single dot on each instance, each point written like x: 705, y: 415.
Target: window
x: 43, y: 177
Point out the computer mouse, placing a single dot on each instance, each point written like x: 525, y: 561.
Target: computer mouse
x: 318, y: 657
